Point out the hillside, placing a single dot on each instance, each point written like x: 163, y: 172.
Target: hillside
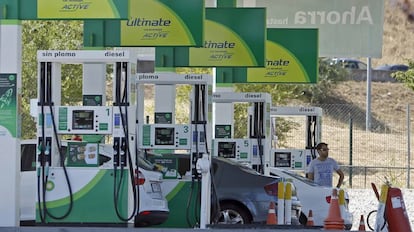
x: 388, y: 100
x: 398, y: 45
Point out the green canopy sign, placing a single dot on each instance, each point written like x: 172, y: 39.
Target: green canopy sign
x: 291, y: 57
x: 234, y: 37
x: 166, y: 23
x: 153, y: 23
x: 64, y: 9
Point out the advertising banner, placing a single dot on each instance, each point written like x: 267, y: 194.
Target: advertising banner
x: 151, y: 23
x: 81, y: 9
x: 234, y: 37
x: 163, y: 23
x: 8, y: 105
x: 291, y: 57
x: 352, y: 28
x: 64, y: 9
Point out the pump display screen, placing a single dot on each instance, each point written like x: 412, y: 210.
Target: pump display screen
x: 226, y: 149
x: 82, y: 119
x: 283, y: 159
x: 164, y: 136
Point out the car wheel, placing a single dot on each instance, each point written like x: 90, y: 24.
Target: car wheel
x: 233, y: 214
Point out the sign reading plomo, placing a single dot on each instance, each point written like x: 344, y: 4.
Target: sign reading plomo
x: 82, y: 9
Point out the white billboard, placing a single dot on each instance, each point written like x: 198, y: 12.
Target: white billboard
x: 347, y: 28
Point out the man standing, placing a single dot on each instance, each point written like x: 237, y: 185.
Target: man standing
x: 321, y: 169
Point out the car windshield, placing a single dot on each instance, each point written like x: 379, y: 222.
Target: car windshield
x: 362, y: 65
x: 242, y: 166
x: 348, y: 63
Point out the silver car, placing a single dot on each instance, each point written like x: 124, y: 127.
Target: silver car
x: 240, y: 195
x: 243, y: 196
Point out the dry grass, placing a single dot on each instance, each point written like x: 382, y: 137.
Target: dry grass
x: 398, y: 45
x: 386, y: 149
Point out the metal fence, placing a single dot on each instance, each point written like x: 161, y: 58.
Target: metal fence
x: 375, y: 155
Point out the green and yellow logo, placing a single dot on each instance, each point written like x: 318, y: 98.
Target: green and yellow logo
x: 77, y: 9
x: 152, y: 22
x: 281, y: 66
x: 222, y: 44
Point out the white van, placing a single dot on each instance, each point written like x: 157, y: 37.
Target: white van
x: 314, y: 197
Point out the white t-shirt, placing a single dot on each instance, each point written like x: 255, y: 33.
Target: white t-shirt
x: 323, y: 171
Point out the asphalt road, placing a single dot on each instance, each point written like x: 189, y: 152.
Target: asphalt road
x: 127, y: 229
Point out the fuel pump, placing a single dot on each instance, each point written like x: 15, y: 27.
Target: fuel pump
x: 298, y: 158
x: 180, y: 150
x: 252, y: 149
x: 76, y: 183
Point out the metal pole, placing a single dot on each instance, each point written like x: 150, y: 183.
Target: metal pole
x: 368, y: 109
x: 365, y: 177
x: 408, y: 146
x: 350, y: 150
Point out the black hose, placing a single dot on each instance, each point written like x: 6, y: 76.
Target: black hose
x: 46, y: 98
x: 124, y: 118
x: 62, y: 158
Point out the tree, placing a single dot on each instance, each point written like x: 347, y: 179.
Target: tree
x: 328, y: 76
x: 47, y: 35
x: 68, y: 35
x: 406, y: 77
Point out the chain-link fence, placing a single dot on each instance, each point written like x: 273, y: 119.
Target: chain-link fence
x: 375, y: 153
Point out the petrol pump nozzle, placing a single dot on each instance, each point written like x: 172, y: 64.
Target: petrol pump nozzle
x: 203, y: 165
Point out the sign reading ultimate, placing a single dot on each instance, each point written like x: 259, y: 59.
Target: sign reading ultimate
x: 161, y: 23
x: 231, y: 42
x: 351, y: 28
x: 291, y: 57
x: 234, y: 37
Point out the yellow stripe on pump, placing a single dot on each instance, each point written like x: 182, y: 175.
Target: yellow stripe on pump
x: 341, y: 198
x: 384, y: 191
x: 281, y: 190
x: 380, y: 220
x: 281, y: 203
x: 288, y: 191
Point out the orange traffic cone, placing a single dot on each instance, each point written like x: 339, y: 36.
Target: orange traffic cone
x: 310, y: 219
x: 361, y: 224
x: 334, y: 220
x: 271, y: 216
